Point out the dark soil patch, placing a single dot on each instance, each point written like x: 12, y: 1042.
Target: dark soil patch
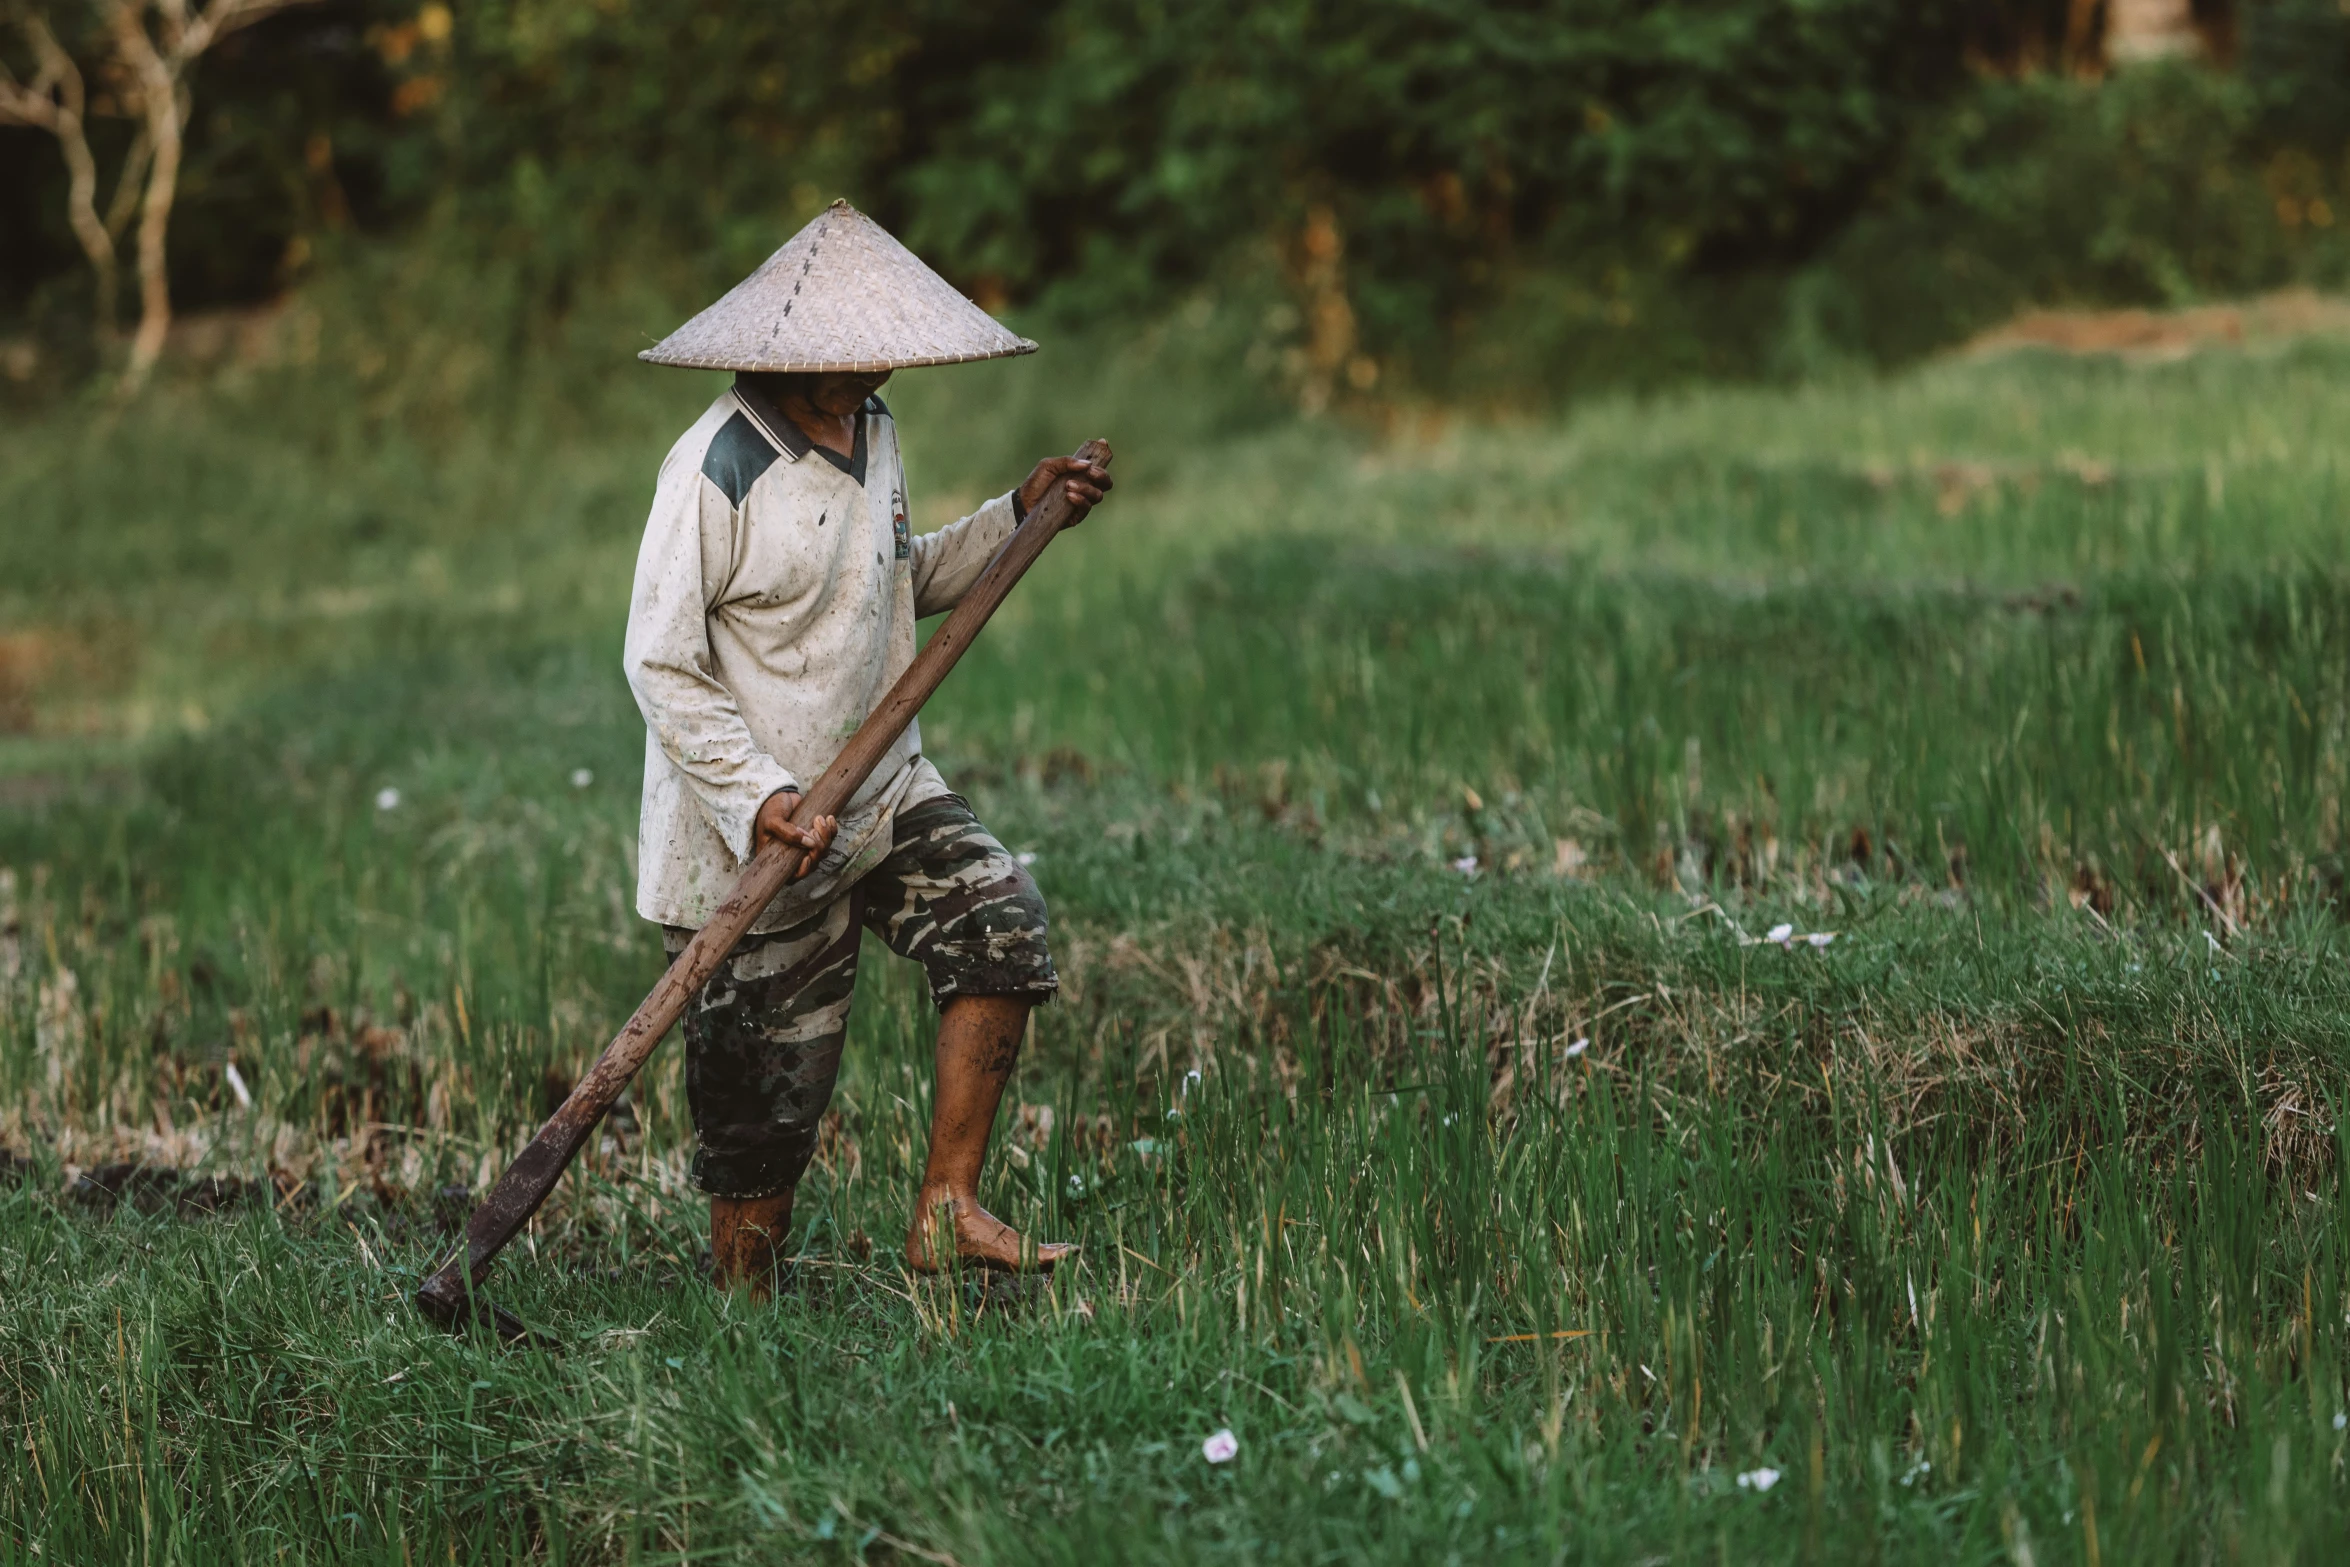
x: 157, y: 1189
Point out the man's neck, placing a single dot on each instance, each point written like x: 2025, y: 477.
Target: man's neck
x: 833, y: 432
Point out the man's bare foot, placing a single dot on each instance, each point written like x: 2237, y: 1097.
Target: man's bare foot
x: 978, y: 1042
x: 980, y: 1239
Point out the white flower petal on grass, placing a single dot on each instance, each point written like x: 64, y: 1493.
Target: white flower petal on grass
x: 1220, y: 1447
x: 1466, y: 865
x: 2341, y: 1421
x: 1780, y: 934
x: 1026, y: 856
x: 581, y: 778
x: 236, y: 1085
x: 1577, y: 1048
x: 387, y: 799
x: 1820, y: 938
x: 1758, y: 1479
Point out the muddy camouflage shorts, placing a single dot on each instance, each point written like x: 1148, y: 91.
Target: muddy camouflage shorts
x: 763, y: 1039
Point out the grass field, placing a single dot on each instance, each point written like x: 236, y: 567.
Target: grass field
x: 1411, y: 806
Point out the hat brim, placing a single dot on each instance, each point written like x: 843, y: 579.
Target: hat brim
x: 654, y: 356
x: 841, y: 295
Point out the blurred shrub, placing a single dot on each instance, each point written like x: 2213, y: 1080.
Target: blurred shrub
x: 1121, y: 147
x: 2155, y: 187
x: 2295, y: 58
x: 1124, y: 143
x: 1516, y: 197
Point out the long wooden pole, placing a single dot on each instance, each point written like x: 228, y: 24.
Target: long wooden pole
x: 448, y: 1295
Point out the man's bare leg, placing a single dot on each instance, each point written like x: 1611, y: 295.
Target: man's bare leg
x: 978, y: 1040
x: 746, y: 1242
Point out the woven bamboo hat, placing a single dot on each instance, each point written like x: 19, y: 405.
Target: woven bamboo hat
x: 840, y: 295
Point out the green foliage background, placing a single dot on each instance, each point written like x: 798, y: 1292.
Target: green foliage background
x: 1529, y: 196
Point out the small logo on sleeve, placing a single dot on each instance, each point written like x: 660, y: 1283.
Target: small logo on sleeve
x: 897, y: 523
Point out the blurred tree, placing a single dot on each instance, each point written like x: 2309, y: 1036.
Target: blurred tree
x: 1129, y: 145
x: 1398, y: 165
x: 2149, y: 30
x: 1438, y: 144
x: 53, y: 99
x: 144, y: 52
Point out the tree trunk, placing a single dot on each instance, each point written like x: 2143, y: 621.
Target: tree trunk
x: 1330, y: 319
x: 56, y: 103
x: 149, y: 78
x: 154, y: 223
x: 2149, y: 30
x: 159, y: 100
x: 81, y: 210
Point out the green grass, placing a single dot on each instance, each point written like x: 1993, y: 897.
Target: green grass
x: 2006, y: 1227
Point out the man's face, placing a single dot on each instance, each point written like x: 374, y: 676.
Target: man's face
x: 842, y: 392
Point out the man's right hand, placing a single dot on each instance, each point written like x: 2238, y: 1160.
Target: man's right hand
x: 1083, y: 483
x: 773, y: 825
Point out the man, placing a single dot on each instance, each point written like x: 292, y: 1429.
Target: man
x: 775, y: 601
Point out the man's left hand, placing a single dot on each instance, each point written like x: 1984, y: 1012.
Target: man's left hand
x: 1082, y: 482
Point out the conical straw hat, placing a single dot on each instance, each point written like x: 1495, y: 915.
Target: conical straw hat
x: 840, y: 295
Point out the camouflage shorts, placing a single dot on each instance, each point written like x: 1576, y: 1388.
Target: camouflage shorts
x: 763, y: 1039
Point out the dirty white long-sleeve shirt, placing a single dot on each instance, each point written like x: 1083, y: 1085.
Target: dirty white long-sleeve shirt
x: 775, y: 601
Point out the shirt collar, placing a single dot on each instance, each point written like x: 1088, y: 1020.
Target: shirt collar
x: 794, y: 440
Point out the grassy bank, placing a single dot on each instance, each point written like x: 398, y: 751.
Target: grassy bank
x: 1425, y: 793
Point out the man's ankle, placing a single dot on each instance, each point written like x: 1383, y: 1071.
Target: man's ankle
x: 747, y: 1236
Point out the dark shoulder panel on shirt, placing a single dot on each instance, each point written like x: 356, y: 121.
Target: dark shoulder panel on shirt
x: 738, y: 455
x: 874, y: 405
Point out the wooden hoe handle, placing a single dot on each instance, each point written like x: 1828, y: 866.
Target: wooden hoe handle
x: 448, y: 1296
